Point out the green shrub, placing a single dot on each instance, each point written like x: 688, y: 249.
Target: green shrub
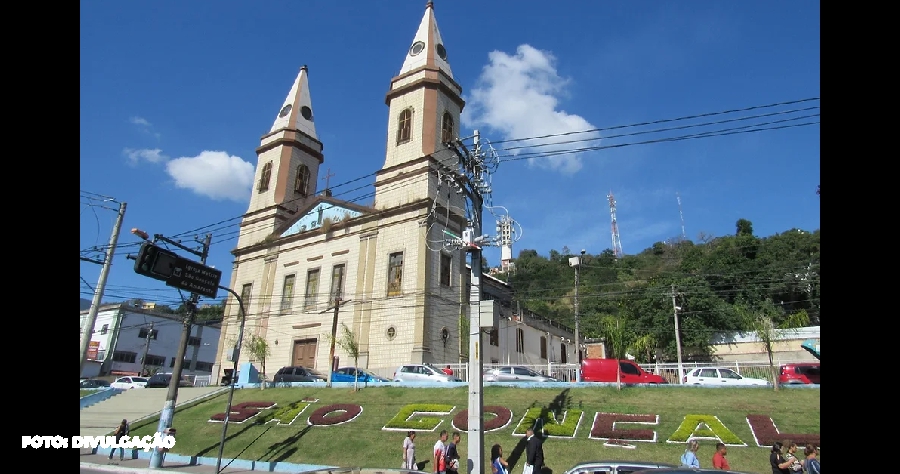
x: 551, y: 426
x: 714, y: 429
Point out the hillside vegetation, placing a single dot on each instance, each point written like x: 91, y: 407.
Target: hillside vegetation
x: 722, y: 284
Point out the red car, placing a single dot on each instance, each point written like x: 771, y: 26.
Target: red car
x: 807, y: 372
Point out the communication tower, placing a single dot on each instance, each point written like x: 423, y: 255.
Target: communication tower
x: 616, y: 241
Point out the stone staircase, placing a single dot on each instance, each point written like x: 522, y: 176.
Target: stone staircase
x: 103, y: 417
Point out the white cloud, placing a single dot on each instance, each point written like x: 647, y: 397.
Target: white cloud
x: 144, y: 125
x: 214, y: 174
x: 140, y: 121
x: 518, y: 95
x: 144, y: 154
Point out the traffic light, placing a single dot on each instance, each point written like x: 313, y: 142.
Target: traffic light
x: 155, y: 262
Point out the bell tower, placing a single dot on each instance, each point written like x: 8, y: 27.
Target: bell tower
x: 424, y: 103
x: 287, y: 167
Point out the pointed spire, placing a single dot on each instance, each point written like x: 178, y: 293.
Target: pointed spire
x: 297, y: 112
x: 427, y: 47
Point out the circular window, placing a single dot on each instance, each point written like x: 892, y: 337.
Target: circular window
x: 391, y: 333
x: 441, y: 51
x: 306, y: 112
x: 285, y: 110
x: 416, y: 48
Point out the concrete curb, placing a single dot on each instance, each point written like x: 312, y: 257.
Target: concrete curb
x: 121, y: 469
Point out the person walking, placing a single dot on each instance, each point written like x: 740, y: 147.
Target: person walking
x: 453, y: 454
x: 790, y: 455
x: 811, y: 463
x: 498, y: 464
x: 120, y: 434
x: 534, y: 451
x: 409, y: 451
x: 439, y: 454
x: 719, y: 460
x: 777, y: 461
x: 689, y: 458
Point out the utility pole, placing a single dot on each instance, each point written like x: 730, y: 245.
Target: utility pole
x: 576, y: 262
x: 146, y: 349
x: 101, y: 286
x: 476, y: 365
x: 334, y: 324
x: 168, y: 411
x: 235, y: 355
x: 677, y: 337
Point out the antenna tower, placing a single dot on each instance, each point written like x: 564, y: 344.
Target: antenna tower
x: 616, y: 241
x: 681, y: 214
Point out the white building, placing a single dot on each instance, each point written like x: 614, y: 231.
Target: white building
x: 128, y: 339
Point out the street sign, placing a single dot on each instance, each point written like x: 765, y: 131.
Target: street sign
x: 194, y: 277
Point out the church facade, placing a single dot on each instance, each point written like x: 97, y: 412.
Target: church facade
x: 300, y: 251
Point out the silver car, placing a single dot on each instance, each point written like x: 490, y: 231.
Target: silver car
x: 615, y: 467
x: 422, y: 373
x: 511, y: 373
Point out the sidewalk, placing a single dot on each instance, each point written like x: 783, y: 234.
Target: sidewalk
x: 138, y: 461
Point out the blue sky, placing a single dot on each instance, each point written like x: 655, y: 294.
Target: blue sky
x: 175, y: 97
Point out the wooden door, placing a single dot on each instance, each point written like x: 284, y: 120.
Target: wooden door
x: 305, y: 353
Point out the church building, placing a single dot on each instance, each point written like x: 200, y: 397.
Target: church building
x: 301, y: 250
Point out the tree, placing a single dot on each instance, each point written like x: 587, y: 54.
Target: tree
x: 744, y: 227
x: 260, y: 350
x: 616, y: 339
x: 761, y: 322
x: 348, y: 343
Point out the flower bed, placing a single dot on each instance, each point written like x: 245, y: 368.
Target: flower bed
x: 604, y: 427
x: 242, y: 411
x: 404, y: 421
x: 704, y: 427
x: 285, y: 415
x: 335, y: 414
x: 766, y: 433
x: 502, y: 417
x: 554, y: 429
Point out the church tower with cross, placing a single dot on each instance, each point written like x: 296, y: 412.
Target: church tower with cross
x: 306, y: 260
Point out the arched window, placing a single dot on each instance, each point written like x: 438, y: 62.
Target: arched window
x: 301, y: 183
x: 265, y: 177
x: 404, y: 126
x: 447, y: 128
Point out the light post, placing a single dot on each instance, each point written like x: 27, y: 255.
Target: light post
x: 235, y: 355
x: 576, y: 262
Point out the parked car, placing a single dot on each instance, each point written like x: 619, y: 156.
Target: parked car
x: 94, y: 383
x: 615, y: 467
x: 510, y: 373
x: 686, y: 470
x: 422, y: 373
x: 351, y: 374
x: 163, y: 380
x: 604, y: 370
x: 129, y: 382
x: 298, y: 374
x: 807, y: 372
x: 719, y: 376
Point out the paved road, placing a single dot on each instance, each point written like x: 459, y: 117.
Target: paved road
x: 101, y: 464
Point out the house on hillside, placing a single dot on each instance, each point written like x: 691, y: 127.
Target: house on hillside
x: 738, y: 347
x: 129, y: 340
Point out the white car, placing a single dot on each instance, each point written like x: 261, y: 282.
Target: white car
x: 422, y: 373
x: 125, y: 383
x: 719, y: 376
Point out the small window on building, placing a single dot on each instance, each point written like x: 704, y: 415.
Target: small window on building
x: 155, y: 360
x: 287, y: 292
x: 495, y: 337
x: 543, y: 347
x: 143, y: 333
x: 447, y: 128
x: 337, y: 282
x: 265, y: 177
x: 564, y: 356
x: 312, y: 287
x: 520, y: 341
x: 184, y: 363
x: 245, y: 297
x: 124, y: 356
x: 404, y: 126
x: 446, y: 267
x: 104, y: 329
x: 395, y: 274
x: 301, y: 183
x: 204, y: 366
x: 193, y: 341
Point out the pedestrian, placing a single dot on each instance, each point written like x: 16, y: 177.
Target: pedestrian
x: 120, y: 434
x: 534, y: 452
x: 720, y: 460
x: 162, y: 450
x: 689, y: 458
x: 777, y: 461
x: 409, y: 451
x: 447, y: 370
x: 439, y: 454
x: 453, y: 454
x: 811, y: 463
x: 498, y: 464
x: 790, y: 455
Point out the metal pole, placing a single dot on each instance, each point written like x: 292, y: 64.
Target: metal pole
x: 577, y: 328
x: 101, y: 286
x: 235, y: 357
x: 677, y: 337
x: 146, y: 349
x: 334, y: 324
x: 168, y: 411
x: 476, y: 378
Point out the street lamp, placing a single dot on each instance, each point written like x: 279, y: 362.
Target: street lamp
x: 235, y: 355
x: 576, y: 262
